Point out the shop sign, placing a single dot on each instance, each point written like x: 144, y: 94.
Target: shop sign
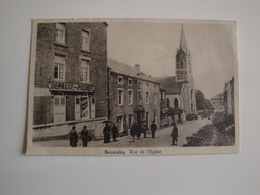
x: 76, y: 87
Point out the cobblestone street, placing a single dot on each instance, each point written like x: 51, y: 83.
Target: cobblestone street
x: 163, y: 138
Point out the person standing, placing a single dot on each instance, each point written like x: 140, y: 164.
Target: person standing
x: 73, y: 137
x: 114, y: 132
x: 132, y: 132
x: 138, y: 130
x: 106, y: 132
x: 174, y: 134
x: 153, y: 128
x: 85, y: 135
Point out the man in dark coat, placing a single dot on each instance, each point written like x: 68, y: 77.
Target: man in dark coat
x: 114, y: 132
x: 133, y: 132
x: 85, y: 135
x: 174, y: 134
x: 73, y: 137
x: 106, y: 132
x: 153, y: 128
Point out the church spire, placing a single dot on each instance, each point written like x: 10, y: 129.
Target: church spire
x: 183, y: 41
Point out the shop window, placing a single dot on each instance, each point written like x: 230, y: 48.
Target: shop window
x: 84, y: 107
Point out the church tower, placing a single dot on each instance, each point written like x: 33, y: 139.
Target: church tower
x: 183, y: 61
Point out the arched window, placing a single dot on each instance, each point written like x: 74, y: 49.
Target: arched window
x: 167, y: 102
x: 181, y: 63
x: 176, y: 102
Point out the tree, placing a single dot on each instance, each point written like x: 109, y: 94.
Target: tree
x: 202, y: 103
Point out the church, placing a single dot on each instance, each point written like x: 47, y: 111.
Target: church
x: 179, y: 89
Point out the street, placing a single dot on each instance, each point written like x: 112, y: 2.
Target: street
x: 162, y: 138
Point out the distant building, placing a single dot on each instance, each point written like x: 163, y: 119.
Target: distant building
x: 162, y: 102
x: 217, y: 103
x: 229, y: 97
x: 179, y: 89
x: 133, y: 96
x: 69, y: 85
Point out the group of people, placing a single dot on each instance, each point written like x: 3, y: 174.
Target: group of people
x: 85, y: 136
x: 137, y: 130
x: 107, y: 132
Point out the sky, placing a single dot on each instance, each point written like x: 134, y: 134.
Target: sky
x: 153, y: 45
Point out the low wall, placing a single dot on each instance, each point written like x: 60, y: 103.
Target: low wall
x: 59, y: 131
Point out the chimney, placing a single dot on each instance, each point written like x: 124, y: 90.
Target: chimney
x: 137, y: 66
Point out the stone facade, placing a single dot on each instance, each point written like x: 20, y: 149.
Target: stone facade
x: 217, y: 103
x: 229, y: 97
x: 142, y: 105
x: 69, y: 85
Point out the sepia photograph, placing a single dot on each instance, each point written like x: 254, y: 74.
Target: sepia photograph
x: 102, y: 87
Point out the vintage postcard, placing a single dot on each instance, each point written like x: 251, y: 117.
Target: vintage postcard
x: 120, y: 87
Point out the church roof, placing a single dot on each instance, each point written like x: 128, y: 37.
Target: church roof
x: 125, y: 69
x: 169, y: 84
x: 183, y: 41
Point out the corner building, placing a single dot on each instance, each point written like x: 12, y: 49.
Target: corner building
x: 70, y: 78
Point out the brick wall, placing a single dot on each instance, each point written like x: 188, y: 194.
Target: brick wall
x: 42, y: 110
x: 44, y: 65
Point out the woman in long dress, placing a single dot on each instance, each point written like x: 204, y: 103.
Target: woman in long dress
x: 106, y: 132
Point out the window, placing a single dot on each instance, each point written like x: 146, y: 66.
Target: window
x: 139, y: 84
x: 130, y: 96
x: 163, y: 95
x: 85, y: 40
x: 84, y: 107
x: 120, y: 80
x: 181, y: 63
x: 60, y: 33
x: 59, y: 67
x: 130, y: 117
x: 154, y: 98
x: 85, y: 70
x: 130, y: 82
x: 120, y: 97
x: 139, y: 97
x: 147, y: 97
x: 176, y: 102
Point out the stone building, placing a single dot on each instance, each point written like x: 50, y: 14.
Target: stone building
x: 217, y: 103
x: 180, y: 89
x: 70, y: 81
x: 229, y: 97
x: 133, y: 96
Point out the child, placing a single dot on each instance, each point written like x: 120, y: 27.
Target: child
x: 174, y: 134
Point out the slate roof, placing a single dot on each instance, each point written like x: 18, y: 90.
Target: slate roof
x: 125, y: 69
x: 169, y: 84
